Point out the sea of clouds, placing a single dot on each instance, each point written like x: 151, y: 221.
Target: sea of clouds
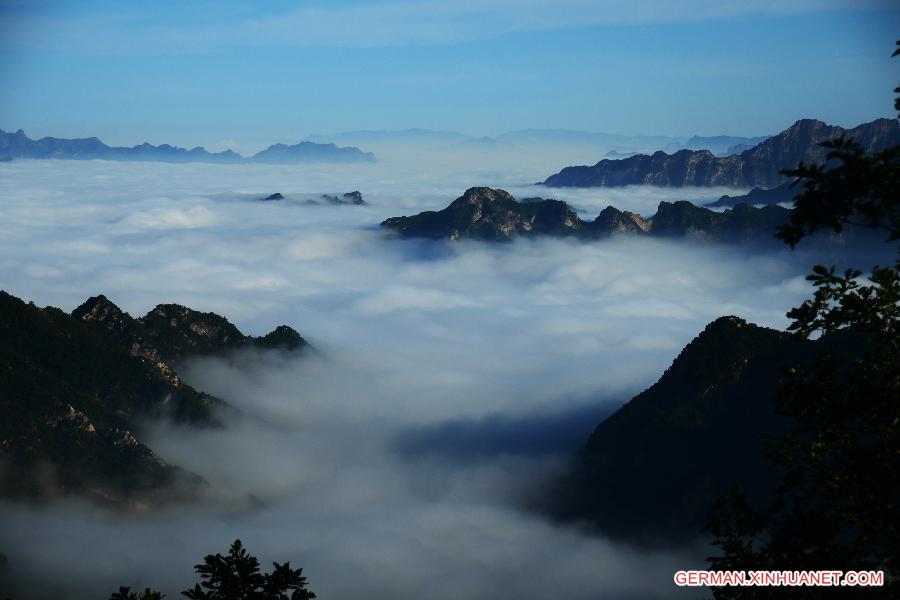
x: 451, y: 382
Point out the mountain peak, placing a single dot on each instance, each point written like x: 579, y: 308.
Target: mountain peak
x: 172, y: 332
x: 310, y: 151
x: 172, y: 310
x: 489, y: 214
x: 99, y: 309
x: 282, y: 337
x: 807, y: 123
x: 477, y: 195
x: 93, y: 306
x: 723, y: 328
x: 611, y: 220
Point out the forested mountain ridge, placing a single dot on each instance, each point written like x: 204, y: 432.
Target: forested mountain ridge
x: 75, y: 390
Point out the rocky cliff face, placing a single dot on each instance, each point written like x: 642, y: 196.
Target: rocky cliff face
x: 612, y: 221
x: 685, y: 167
x: 494, y: 215
x: 763, y: 163
x: 743, y: 223
x: 759, y: 166
x: 687, y: 439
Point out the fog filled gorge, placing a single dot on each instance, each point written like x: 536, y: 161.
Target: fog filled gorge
x: 450, y: 382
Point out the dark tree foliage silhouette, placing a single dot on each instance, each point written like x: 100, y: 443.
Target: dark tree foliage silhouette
x: 237, y: 577
x: 837, y: 506
x: 125, y: 593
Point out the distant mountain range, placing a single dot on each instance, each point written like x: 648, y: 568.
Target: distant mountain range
x: 18, y: 145
x: 572, y: 136
x: 74, y: 390
x: 322, y: 148
x: 495, y: 215
x: 759, y: 166
x: 720, y: 145
x: 393, y: 136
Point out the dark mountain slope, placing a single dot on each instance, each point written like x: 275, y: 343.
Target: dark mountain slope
x: 74, y: 390
x: 652, y: 470
x: 70, y: 399
x: 759, y: 166
x: 743, y: 223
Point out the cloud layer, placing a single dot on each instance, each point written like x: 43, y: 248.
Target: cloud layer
x: 452, y: 381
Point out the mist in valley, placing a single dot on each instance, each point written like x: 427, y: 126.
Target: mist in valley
x: 450, y: 383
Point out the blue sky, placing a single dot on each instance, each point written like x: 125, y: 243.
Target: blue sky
x: 227, y: 73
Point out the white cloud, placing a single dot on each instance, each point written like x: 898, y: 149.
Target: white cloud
x: 393, y: 298
x: 412, y: 334
x: 172, y: 218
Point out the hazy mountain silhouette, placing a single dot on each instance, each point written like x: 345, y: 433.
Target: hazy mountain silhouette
x: 19, y: 145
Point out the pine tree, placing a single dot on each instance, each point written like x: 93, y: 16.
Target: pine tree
x: 237, y: 577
